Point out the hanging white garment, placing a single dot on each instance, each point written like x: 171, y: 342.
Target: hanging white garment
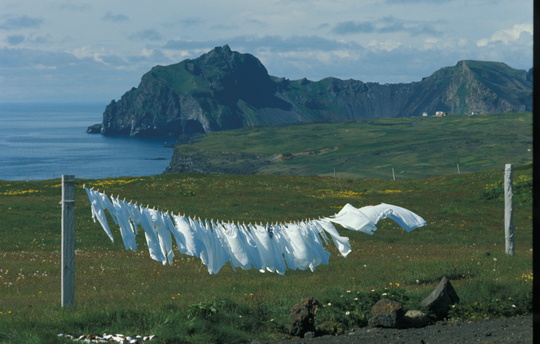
x: 134, y: 216
x: 285, y: 246
x: 235, y: 246
x: 187, y: 240
x: 123, y: 220
x: 352, y: 218
x: 405, y: 218
x: 268, y: 247
x: 300, y: 254
x: 251, y: 248
x: 151, y: 236
x: 342, y: 243
x: 272, y: 248
x: 318, y: 255
x: 218, y: 257
x: 213, y: 255
x: 178, y: 236
x: 98, y: 210
x: 164, y: 236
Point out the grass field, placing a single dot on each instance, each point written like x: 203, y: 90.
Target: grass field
x: 125, y: 292
x: 415, y: 147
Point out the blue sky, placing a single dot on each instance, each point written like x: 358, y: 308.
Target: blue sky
x: 94, y: 51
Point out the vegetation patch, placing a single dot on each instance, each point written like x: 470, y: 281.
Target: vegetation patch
x: 120, y: 291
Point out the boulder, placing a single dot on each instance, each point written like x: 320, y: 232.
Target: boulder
x: 94, y: 129
x: 388, y: 314
x: 440, y: 301
x: 303, y: 317
x: 416, y: 319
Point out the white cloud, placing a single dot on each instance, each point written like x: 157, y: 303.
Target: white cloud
x: 104, y: 47
x: 507, y: 36
x: 386, y: 45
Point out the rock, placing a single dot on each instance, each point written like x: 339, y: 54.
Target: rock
x: 303, y: 317
x: 309, y: 335
x: 109, y: 338
x: 441, y: 299
x: 388, y: 314
x: 94, y: 129
x: 416, y: 319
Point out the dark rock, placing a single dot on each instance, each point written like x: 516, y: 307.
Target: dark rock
x: 388, y: 314
x: 303, y: 317
x: 440, y: 301
x: 416, y: 319
x: 94, y: 129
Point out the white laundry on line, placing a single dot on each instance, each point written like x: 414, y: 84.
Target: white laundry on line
x: 273, y: 248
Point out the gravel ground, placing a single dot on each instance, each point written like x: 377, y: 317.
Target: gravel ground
x: 492, y: 331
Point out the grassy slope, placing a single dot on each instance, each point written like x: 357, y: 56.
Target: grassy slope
x: 414, y: 147
x: 119, y: 291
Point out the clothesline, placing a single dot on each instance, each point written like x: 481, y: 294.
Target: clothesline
x: 271, y: 247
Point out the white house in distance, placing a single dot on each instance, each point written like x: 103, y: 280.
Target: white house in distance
x: 440, y: 113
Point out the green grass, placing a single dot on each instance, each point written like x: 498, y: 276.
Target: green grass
x: 126, y: 292
x: 415, y: 147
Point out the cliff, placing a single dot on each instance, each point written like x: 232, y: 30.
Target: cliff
x: 223, y: 90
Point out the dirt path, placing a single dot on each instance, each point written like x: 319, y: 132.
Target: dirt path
x: 493, y: 331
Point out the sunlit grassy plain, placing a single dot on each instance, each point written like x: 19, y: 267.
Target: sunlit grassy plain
x: 415, y: 147
x: 125, y: 292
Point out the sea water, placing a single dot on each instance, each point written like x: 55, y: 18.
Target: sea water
x: 46, y: 141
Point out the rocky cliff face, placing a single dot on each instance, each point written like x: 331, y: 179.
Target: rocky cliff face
x: 224, y: 90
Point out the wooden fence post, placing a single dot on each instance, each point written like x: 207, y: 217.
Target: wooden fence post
x: 508, y: 211
x: 68, y: 241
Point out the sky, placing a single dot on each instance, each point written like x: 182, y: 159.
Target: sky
x: 95, y: 51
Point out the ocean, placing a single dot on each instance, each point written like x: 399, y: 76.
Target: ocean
x: 46, y: 141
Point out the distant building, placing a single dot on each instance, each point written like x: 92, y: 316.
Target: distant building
x: 425, y: 114
x: 440, y: 113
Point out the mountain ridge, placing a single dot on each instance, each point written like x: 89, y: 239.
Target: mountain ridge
x: 225, y: 89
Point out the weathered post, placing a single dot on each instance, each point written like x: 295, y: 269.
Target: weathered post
x: 508, y: 211
x: 68, y: 240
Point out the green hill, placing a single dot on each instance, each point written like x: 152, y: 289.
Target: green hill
x: 225, y: 89
x: 413, y: 147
